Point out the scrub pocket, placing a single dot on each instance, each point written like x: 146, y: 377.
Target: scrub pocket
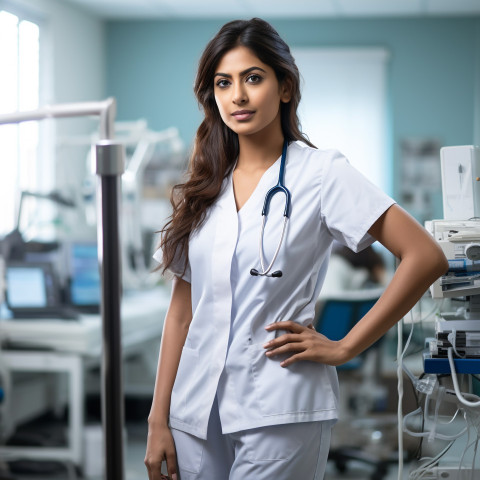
x: 182, y: 388
x: 189, y: 451
x: 276, y: 443
x: 303, y: 387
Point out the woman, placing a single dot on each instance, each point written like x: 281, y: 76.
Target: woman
x: 245, y: 387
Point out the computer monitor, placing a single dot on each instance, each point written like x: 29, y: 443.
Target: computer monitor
x: 84, y: 287
x: 32, y: 289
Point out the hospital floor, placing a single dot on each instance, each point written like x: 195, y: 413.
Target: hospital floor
x: 135, y: 469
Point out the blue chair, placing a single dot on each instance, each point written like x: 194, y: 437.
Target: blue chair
x: 338, y: 315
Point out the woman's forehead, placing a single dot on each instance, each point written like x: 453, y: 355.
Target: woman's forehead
x: 238, y: 59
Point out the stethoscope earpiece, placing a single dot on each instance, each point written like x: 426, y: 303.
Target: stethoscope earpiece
x: 280, y: 187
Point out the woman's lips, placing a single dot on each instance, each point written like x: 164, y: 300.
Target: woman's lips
x: 242, y: 115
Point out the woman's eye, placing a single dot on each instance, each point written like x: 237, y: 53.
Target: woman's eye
x: 223, y: 83
x: 254, y: 78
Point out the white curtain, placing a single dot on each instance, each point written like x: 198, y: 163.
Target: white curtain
x: 344, y: 105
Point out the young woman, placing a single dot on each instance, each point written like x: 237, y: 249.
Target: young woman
x: 246, y: 388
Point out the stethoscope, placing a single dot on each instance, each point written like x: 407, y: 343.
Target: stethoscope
x: 279, y: 187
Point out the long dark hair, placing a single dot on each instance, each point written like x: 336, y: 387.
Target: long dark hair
x: 216, y: 146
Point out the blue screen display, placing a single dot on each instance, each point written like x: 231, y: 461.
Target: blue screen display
x: 85, y: 275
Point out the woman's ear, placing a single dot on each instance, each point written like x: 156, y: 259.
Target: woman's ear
x: 286, y: 91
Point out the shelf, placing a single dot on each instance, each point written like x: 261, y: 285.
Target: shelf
x: 441, y: 365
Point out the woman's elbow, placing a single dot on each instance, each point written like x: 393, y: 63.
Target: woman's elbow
x: 438, y: 263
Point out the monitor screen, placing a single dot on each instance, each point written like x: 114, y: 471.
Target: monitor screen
x: 85, y: 275
x: 26, y: 287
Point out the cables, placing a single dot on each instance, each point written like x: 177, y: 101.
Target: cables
x: 424, y: 469
x: 452, y: 338
x: 400, y: 369
x: 435, y: 395
x: 433, y: 434
x: 458, y: 393
x: 400, y: 397
x: 464, y: 404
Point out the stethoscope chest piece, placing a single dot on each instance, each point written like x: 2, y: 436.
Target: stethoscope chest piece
x: 278, y: 188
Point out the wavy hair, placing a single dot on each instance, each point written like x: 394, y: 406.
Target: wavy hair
x: 216, y: 146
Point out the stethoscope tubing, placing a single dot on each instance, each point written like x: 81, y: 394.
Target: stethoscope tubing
x: 265, y: 272
x: 278, y: 188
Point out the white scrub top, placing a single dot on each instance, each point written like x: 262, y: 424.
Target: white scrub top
x: 223, y: 353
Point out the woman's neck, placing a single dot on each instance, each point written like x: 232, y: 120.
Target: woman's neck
x: 259, y: 152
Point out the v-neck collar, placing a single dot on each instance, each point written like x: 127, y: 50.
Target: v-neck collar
x: 258, y: 190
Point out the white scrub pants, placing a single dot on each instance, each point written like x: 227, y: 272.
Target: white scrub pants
x: 279, y: 452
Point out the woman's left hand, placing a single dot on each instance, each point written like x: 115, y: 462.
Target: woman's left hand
x: 304, y: 343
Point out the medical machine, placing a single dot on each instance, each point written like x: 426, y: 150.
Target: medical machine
x: 461, y: 335
x: 459, y: 330
x: 455, y: 346
x: 460, y: 168
x: 460, y: 241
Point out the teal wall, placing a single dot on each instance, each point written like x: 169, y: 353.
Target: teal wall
x: 433, y: 78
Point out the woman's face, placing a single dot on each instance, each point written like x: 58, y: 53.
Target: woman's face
x: 247, y: 93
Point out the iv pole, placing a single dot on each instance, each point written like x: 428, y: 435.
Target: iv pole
x: 110, y: 164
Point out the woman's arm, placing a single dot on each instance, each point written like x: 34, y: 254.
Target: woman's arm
x: 177, y: 321
x: 421, y: 263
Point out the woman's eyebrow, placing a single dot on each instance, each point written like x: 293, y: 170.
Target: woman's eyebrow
x: 242, y: 73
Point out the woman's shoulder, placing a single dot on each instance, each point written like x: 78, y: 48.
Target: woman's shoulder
x: 315, y: 158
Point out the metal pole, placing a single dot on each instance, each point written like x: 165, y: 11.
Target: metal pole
x: 110, y: 160
x: 110, y: 166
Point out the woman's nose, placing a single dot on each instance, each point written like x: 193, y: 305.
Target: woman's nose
x: 239, y: 95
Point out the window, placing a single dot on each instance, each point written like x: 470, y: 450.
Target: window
x: 19, y: 90
x: 344, y: 105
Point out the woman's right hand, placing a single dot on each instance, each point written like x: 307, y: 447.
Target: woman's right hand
x: 160, y: 447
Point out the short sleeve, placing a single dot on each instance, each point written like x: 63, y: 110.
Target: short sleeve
x: 350, y: 203
x: 176, y: 267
